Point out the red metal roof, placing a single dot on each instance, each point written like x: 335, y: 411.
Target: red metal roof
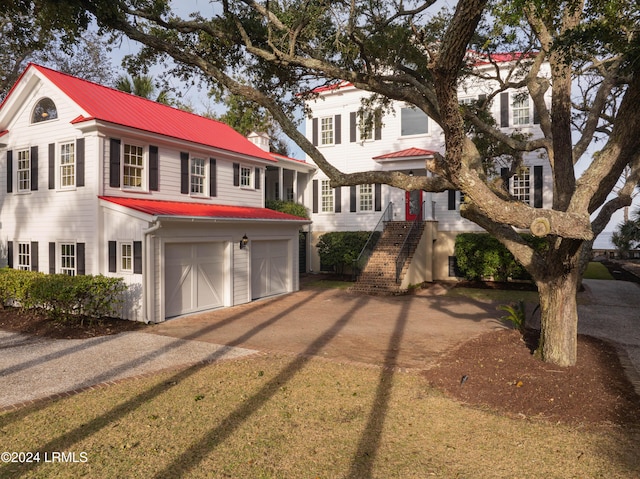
x: 114, y: 106
x: 199, y: 210
x: 408, y: 153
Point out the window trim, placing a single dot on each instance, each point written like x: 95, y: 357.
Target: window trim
x: 203, y: 177
x: 246, y: 177
x: 324, y: 139
x: 326, y: 193
x: 63, y: 269
x: 521, y: 103
x: 422, y: 133
x: 49, y: 115
x: 121, y: 256
x: 72, y: 164
x: 25, y: 266
x: 26, y: 170
x: 521, y: 184
x: 370, y: 195
x: 144, y: 156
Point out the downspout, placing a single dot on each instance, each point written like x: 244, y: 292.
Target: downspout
x: 148, y: 266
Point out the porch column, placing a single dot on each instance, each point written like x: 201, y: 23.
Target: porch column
x: 280, y: 183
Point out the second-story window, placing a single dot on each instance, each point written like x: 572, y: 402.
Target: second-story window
x: 520, y: 108
x: 413, y: 121
x: 24, y: 170
x: 198, y: 176
x: 326, y: 195
x: 67, y: 165
x: 326, y: 131
x: 245, y: 177
x: 133, y: 166
x: 521, y: 189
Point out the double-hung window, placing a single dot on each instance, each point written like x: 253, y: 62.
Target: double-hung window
x: 326, y: 131
x: 133, y: 166
x: 521, y: 188
x: 126, y: 257
x: 67, y: 165
x: 24, y: 256
x: 24, y: 170
x: 198, y: 176
x: 366, y: 198
x: 520, y: 108
x: 245, y: 177
x: 68, y: 258
x: 326, y: 195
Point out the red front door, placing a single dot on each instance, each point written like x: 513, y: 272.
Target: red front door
x: 412, y: 204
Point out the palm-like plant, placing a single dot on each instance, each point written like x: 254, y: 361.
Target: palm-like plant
x: 142, y: 86
x: 627, y: 236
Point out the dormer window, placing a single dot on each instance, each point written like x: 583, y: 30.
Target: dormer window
x: 45, y: 110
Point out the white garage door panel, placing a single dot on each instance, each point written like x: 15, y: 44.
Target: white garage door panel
x: 194, y: 277
x: 269, y: 268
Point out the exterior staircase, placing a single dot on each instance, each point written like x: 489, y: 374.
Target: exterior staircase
x: 379, y: 275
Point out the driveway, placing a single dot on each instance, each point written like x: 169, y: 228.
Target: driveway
x: 409, y: 332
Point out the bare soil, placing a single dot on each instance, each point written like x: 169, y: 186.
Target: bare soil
x: 495, y: 371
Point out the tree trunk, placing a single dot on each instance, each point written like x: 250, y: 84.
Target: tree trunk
x: 559, y: 318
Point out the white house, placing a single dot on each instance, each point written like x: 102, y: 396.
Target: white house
x: 402, y: 141
x: 97, y: 181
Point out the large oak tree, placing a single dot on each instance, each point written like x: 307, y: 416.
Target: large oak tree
x: 274, y: 52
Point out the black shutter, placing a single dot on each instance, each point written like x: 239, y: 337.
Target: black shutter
x: 9, y: 171
x: 338, y: 200
x: 236, y: 174
x: 537, y: 186
x: 536, y: 115
x: 256, y: 178
x: 80, y: 162
x: 52, y: 258
x: 137, y: 257
x: 34, y: 168
x: 213, y: 177
x: 153, y: 168
x: 10, y: 254
x: 34, y: 256
x: 315, y: 196
x: 504, y: 109
x: 482, y: 98
x: 114, y: 163
x: 184, y: 173
x: 504, y: 173
x: 314, y: 131
x: 451, y: 203
x: 113, y: 256
x: 80, y: 264
x: 338, y: 129
x: 353, y: 199
x: 378, y: 197
x: 352, y: 127
x: 52, y: 166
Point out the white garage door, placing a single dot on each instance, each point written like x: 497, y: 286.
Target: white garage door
x: 269, y: 268
x: 194, y: 277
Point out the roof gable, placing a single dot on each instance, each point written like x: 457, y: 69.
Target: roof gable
x: 120, y: 108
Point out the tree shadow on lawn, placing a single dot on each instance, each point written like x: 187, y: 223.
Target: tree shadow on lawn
x: 190, y: 458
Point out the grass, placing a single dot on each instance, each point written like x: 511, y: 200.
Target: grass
x: 597, y: 270
x: 285, y: 417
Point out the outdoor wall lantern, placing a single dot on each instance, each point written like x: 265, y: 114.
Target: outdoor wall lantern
x: 243, y: 242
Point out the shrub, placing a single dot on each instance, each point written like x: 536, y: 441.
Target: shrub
x: 289, y: 207
x: 340, y: 248
x: 481, y: 256
x: 62, y: 296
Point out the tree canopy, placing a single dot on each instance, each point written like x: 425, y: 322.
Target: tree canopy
x: 275, y: 53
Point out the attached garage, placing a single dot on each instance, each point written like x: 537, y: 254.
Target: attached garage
x: 194, y: 277
x: 270, y: 268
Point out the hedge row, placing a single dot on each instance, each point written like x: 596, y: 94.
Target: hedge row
x: 481, y: 256
x: 62, y: 296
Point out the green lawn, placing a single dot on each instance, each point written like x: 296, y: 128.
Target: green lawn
x: 597, y: 270
x: 297, y: 417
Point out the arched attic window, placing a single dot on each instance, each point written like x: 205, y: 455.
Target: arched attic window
x: 45, y: 110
